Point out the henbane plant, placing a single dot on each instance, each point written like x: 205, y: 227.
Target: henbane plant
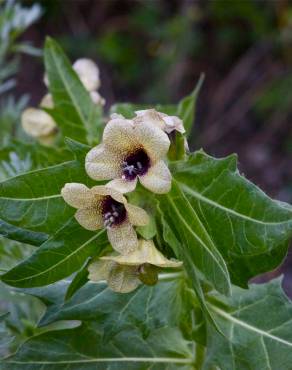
x: 144, y: 250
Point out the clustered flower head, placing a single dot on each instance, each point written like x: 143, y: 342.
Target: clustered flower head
x: 37, y: 123
x: 131, y: 150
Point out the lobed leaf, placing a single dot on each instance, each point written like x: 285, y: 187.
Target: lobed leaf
x: 250, y: 230
x: 258, y: 327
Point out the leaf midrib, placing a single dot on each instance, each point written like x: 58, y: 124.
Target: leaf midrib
x: 229, y: 210
x: 63, y: 78
x: 112, y: 359
x: 224, y: 272
x: 58, y: 263
x: 247, y: 326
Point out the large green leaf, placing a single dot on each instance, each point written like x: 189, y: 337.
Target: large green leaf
x: 75, y: 113
x: 249, y: 229
x: 33, y: 201
x: 196, y: 247
x: 61, y: 255
x: 117, y: 311
x: 84, y: 348
x: 258, y: 327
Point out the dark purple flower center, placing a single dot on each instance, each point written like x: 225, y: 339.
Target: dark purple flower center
x: 136, y: 163
x: 113, y: 212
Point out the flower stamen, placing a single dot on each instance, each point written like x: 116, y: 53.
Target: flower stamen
x: 136, y: 163
x: 113, y: 212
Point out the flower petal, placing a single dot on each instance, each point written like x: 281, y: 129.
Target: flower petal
x: 123, y: 185
x: 123, y: 279
x: 157, y: 179
x: 136, y: 215
x: 145, y: 253
x: 97, y: 98
x: 99, y: 270
x: 102, y: 164
x: 119, y: 136
x: 153, y: 140
x: 77, y: 195
x: 89, y: 218
x: 47, y: 101
x: 88, y: 73
x: 150, y: 116
x: 123, y: 237
x: 173, y: 123
x: 37, y: 122
x: 104, y: 190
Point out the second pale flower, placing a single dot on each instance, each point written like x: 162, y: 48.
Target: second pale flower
x: 100, y: 207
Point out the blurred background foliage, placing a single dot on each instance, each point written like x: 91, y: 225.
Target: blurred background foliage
x: 153, y: 51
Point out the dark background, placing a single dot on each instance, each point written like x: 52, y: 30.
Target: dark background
x: 153, y: 51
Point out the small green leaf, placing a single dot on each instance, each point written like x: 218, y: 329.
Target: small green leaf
x: 60, y: 256
x: 75, y: 113
x: 21, y: 235
x: 128, y: 109
x: 80, y: 279
x: 186, y: 108
x: 78, y: 149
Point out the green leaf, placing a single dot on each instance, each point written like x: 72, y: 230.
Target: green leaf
x: 78, y: 149
x: 249, y: 229
x: 21, y: 235
x: 186, y: 108
x: 117, y: 311
x: 33, y: 201
x: 60, y: 256
x: 19, y: 158
x: 258, y: 325
x: 84, y: 348
x: 182, y: 252
x: 75, y: 113
x: 197, y: 247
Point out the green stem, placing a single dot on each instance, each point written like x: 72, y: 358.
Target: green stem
x: 200, y: 356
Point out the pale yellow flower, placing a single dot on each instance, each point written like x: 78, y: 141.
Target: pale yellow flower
x: 88, y: 73
x: 39, y: 124
x: 47, y: 102
x: 131, y: 151
x: 124, y: 273
x: 162, y: 120
x: 101, y: 207
x: 97, y: 98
